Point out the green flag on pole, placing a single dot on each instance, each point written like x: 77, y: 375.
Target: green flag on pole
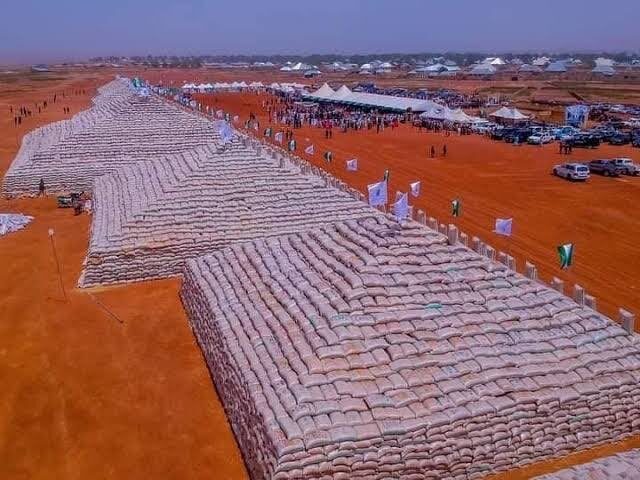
x: 292, y: 146
x: 328, y: 156
x: 456, y: 208
x: 267, y: 132
x: 566, y: 255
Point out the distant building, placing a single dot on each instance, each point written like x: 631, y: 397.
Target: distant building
x: 556, y: 67
x: 606, y: 70
x: 483, y: 70
x: 40, y: 68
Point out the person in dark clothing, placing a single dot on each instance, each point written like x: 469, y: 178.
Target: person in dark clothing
x: 41, y: 189
x: 433, y: 151
x: 444, y: 150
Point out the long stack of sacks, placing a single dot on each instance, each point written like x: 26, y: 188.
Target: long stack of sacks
x: 121, y: 128
x: 152, y: 216
x: 624, y: 466
x: 366, y: 349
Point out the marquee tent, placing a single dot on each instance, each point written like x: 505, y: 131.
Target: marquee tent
x: 512, y: 114
x: 370, y: 100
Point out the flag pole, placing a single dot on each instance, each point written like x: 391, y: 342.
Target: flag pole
x: 55, y: 256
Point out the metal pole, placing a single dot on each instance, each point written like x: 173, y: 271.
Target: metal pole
x: 55, y: 255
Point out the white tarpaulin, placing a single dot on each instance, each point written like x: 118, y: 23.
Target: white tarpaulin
x: 12, y: 222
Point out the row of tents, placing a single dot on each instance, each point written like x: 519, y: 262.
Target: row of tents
x: 220, y: 86
x: 427, y: 109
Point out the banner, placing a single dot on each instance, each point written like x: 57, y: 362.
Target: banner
x: 576, y: 115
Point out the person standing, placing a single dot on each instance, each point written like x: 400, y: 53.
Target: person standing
x: 444, y: 150
x: 433, y: 151
x: 41, y: 188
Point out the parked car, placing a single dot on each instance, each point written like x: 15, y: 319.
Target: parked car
x: 540, y: 138
x: 626, y: 166
x: 517, y: 135
x: 584, y: 140
x: 572, y: 171
x: 620, y: 138
x: 604, y: 167
x: 564, y: 132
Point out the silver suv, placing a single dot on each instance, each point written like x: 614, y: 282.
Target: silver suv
x: 572, y: 171
x: 626, y: 166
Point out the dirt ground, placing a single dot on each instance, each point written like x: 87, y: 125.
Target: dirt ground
x: 110, y: 383
x: 105, y: 384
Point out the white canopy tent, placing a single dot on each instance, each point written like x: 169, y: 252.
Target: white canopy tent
x: 442, y: 112
x: 372, y: 100
x: 512, y: 114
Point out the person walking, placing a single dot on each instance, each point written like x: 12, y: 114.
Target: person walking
x: 444, y: 150
x: 433, y: 151
x: 41, y: 188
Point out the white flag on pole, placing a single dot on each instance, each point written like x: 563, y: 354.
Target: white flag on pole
x: 401, y: 207
x: 503, y: 226
x: 377, y: 194
x: 219, y: 114
x: 415, y: 189
x: 278, y: 137
x: 309, y: 150
x: 236, y: 118
x: 352, y: 165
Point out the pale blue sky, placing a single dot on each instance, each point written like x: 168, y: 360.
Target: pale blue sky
x: 43, y: 30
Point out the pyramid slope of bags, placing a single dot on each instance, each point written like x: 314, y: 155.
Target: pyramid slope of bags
x: 120, y: 128
x: 372, y: 350
x: 620, y: 466
x: 152, y: 216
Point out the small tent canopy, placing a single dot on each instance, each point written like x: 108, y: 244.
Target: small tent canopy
x: 274, y: 85
x: 325, y: 92
x: 256, y: 85
x: 342, y: 93
x: 457, y: 116
x: 506, y: 113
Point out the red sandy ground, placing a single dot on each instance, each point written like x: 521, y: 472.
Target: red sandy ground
x: 85, y: 396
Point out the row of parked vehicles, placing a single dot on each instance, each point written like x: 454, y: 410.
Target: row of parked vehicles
x: 609, y: 168
x: 568, y: 135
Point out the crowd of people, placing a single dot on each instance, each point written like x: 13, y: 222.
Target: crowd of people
x: 295, y: 114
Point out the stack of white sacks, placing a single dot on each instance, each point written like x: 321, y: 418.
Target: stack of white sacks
x: 151, y: 216
x: 367, y: 350
x: 121, y: 128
